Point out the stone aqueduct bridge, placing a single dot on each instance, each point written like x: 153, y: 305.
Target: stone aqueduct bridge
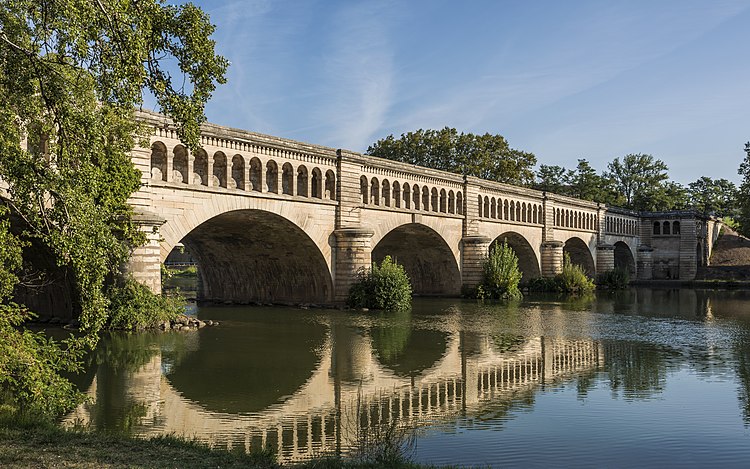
x: 274, y: 220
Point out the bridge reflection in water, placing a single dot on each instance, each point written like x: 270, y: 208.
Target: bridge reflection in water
x: 350, y: 389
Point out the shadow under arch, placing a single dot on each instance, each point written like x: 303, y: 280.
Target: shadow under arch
x: 580, y: 255
x: 624, y: 258
x: 426, y: 257
x: 254, y: 255
x: 528, y: 263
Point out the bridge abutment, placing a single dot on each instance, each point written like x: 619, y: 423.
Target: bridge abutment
x: 145, y: 261
x: 552, y: 258
x: 353, y: 252
x: 605, y: 257
x: 645, y: 262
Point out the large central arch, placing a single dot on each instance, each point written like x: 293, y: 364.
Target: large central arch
x: 254, y: 255
x: 425, y: 256
x: 528, y: 263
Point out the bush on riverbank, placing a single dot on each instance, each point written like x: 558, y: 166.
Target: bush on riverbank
x: 384, y: 286
x: 571, y: 280
x: 133, y: 306
x: 615, y: 279
x: 500, y: 274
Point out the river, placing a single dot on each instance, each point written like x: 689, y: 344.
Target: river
x: 642, y: 377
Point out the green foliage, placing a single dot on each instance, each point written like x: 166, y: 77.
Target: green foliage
x: 713, y: 196
x: 500, y: 274
x: 743, y: 194
x: 552, y: 179
x: 615, y: 279
x: 485, y: 156
x: 30, y: 367
x: 71, y: 74
x: 571, y: 280
x: 641, y: 179
x: 134, y: 306
x: 384, y: 286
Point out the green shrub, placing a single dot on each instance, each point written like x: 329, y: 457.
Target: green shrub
x: 572, y: 279
x: 134, y: 306
x: 500, y: 274
x: 616, y: 279
x: 384, y: 286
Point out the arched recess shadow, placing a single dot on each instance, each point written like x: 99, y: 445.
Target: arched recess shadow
x: 528, y: 263
x: 624, y: 259
x: 253, y: 255
x: 225, y: 374
x: 425, y: 256
x: 580, y: 255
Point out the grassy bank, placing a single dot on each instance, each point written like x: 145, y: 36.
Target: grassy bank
x: 35, y: 444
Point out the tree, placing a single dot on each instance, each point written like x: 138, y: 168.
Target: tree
x: 485, y: 156
x: 71, y: 73
x: 552, y: 179
x: 585, y: 183
x: 714, y: 197
x: 743, y: 194
x: 639, y: 178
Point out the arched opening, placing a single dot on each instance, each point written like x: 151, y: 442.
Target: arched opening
x: 580, y: 255
x: 665, y: 228
x: 180, y: 165
x: 330, y: 185
x: 459, y: 203
x: 316, y: 184
x: 416, y: 196
x: 238, y: 172
x: 364, y: 190
x: 434, y: 199
x: 200, y: 168
x: 396, y: 194
x: 443, y: 201
x: 451, y: 202
x: 287, y: 179
x: 220, y: 170
x: 624, y: 259
x: 158, y: 161
x: 407, y: 196
x: 374, y: 191
x: 302, y: 181
x: 256, y: 174
x: 480, y: 212
x: 425, y: 198
x: 657, y: 228
x: 486, y: 207
x: 676, y: 228
x: 253, y: 255
x: 425, y: 256
x: 272, y: 177
x: 386, y: 193
x: 528, y: 263
x: 493, y: 208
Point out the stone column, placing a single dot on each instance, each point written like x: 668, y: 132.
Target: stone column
x: 145, y: 261
x: 474, y: 251
x: 605, y: 258
x: 645, y: 262
x: 246, y: 186
x: 190, y: 168
x: 210, y: 171
x: 169, y: 177
x: 552, y: 258
x: 353, y: 251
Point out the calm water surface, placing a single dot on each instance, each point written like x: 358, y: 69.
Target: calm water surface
x: 645, y: 377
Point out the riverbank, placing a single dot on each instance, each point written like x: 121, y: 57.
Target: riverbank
x: 35, y: 444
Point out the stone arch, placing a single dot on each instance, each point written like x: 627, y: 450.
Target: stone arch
x: 426, y: 257
x: 302, y: 179
x: 416, y: 194
x: 443, y: 201
x: 528, y: 263
x: 364, y: 190
x: 255, y: 255
x: 330, y: 185
x: 180, y: 164
x: 316, y: 184
x: 459, y: 203
x: 486, y: 207
x: 580, y: 254
x: 386, y: 193
x: 238, y: 172
x: 272, y: 177
x: 287, y: 179
x: 158, y: 161
x: 624, y: 258
x: 451, y: 202
x: 407, y: 195
x: 396, y: 194
x: 425, y: 198
x: 256, y: 174
x: 434, y: 200
x: 493, y: 208
x: 374, y: 191
x: 220, y: 169
x: 200, y: 167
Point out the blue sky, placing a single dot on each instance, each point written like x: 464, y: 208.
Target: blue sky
x: 562, y: 79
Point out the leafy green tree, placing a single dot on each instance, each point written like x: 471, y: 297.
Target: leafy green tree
x: 743, y: 194
x: 383, y: 286
x: 713, y: 196
x: 552, y: 179
x: 639, y: 178
x: 586, y: 184
x: 486, y: 156
x: 71, y: 74
x: 500, y: 274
